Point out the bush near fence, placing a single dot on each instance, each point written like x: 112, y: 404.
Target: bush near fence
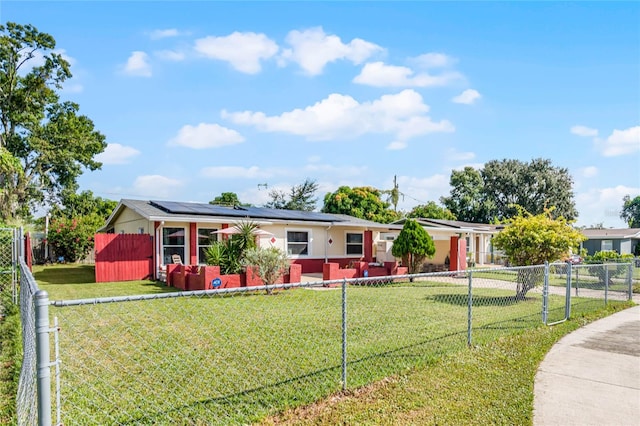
x: 234, y: 356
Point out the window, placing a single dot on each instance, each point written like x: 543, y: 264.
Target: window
x: 205, y: 240
x: 607, y: 245
x: 355, y: 244
x: 297, y: 243
x: 172, y: 243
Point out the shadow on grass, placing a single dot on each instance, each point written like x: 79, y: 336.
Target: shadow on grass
x: 243, y: 404
x: 66, y: 274
x: 463, y: 300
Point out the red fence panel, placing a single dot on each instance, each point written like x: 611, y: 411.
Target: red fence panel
x: 123, y: 257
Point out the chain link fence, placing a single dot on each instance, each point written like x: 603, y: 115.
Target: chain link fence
x: 234, y: 356
x: 26, y: 398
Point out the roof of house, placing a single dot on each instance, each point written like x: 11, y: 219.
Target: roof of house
x: 455, y: 225
x: 203, y: 212
x: 620, y: 233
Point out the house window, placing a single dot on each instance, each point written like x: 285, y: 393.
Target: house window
x: 354, y: 243
x: 298, y: 243
x: 607, y: 245
x: 205, y: 240
x: 172, y: 243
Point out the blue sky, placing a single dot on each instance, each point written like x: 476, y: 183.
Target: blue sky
x: 200, y: 98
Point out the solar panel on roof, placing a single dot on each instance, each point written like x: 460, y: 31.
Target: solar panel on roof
x: 240, y: 212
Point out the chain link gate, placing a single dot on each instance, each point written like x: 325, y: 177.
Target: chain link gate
x: 9, y: 251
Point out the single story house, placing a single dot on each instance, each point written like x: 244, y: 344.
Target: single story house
x: 623, y: 241
x: 477, y: 237
x: 309, y: 238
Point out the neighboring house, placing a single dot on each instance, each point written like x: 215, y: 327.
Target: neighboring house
x: 477, y: 236
x: 623, y: 241
x: 309, y: 238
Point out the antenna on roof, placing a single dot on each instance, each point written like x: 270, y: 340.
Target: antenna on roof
x: 262, y: 185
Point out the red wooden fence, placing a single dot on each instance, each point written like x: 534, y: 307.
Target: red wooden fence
x: 123, y: 257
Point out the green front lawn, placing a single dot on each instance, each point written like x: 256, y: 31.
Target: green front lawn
x: 238, y: 359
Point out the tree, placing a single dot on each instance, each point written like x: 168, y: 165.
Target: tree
x: 534, y: 239
x: 413, y: 245
x: 44, y: 143
x: 393, y: 195
x: 270, y: 263
x: 492, y: 193
x: 301, y: 197
x: 631, y: 211
x: 82, y: 204
x: 431, y: 211
x: 535, y: 186
x: 226, y: 199
x: 362, y: 202
x: 467, y: 201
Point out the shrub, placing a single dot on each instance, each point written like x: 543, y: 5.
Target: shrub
x: 72, y: 239
x: 270, y: 263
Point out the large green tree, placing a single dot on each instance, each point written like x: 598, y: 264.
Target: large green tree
x: 44, y: 143
x: 631, y: 211
x: 492, y: 193
x: 431, y: 211
x: 534, y: 239
x: 467, y: 200
x: 413, y: 245
x: 75, y: 204
x: 301, y: 197
x: 362, y: 202
x: 535, y: 186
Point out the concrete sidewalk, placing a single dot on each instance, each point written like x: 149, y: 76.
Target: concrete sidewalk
x: 592, y: 376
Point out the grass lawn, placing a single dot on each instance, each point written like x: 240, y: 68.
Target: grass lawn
x: 71, y: 281
x: 486, y: 385
x: 237, y: 360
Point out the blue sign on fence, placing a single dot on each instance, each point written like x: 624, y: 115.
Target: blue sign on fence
x: 216, y: 283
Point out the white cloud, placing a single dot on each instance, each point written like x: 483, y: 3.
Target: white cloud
x: 117, y: 154
x: 312, y: 49
x: 170, y: 55
x: 454, y: 155
x: 205, y: 136
x: 244, y: 51
x: 397, y: 145
x: 379, y: 74
x: 621, y: 142
x: 236, y: 172
x: 603, y: 205
x: 156, y: 186
x: 419, y: 190
x: 584, y: 131
x: 138, y: 65
x: 402, y: 115
x: 433, y: 60
x: 588, y: 172
x: 158, y: 34
x: 467, y: 97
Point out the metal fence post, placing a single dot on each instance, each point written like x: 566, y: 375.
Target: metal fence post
x: 606, y: 283
x: 470, y: 308
x: 344, y: 334
x: 545, y: 294
x: 567, y: 306
x: 630, y: 280
x: 42, y: 356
